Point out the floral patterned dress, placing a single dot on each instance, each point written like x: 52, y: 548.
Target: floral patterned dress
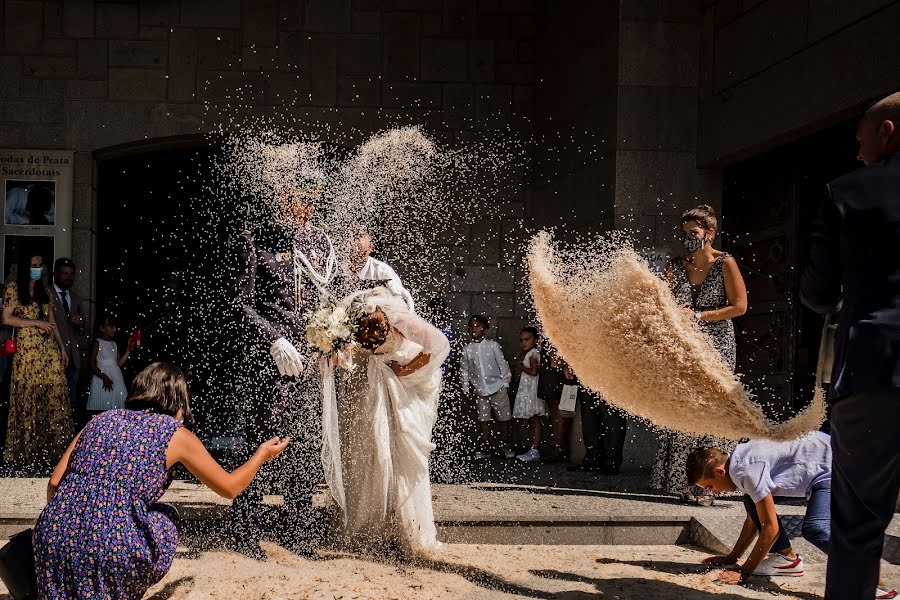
x: 668, y: 473
x: 101, y: 535
x: 40, y: 420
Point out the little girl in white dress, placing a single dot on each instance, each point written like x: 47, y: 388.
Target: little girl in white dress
x: 528, y: 405
x: 108, y: 388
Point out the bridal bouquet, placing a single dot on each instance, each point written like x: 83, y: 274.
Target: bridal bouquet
x: 331, y: 331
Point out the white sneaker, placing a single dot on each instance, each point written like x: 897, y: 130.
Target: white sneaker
x: 480, y: 455
x: 885, y: 594
x: 533, y: 454
x: 508, y: 452
x: 779, y: 565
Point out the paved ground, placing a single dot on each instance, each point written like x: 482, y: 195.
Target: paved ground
x: 502, y: 490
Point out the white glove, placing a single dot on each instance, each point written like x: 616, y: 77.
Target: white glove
x: 287, y: 359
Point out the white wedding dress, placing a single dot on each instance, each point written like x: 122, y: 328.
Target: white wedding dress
x: 377, y: 434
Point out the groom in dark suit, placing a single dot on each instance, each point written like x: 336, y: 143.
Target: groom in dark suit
x: 70, y: 321
x: 854, y: 267
x: 281, y: 272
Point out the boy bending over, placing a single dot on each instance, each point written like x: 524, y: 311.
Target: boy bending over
x: 762, y: 470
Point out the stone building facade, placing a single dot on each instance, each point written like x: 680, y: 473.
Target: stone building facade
x: 664, y: 94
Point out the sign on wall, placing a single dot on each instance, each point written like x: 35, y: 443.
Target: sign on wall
x: 656, y: 258
x: 36, y: 208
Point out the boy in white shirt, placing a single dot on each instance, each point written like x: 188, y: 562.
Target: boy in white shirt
x: 763, y: 470
x: 484, y: 370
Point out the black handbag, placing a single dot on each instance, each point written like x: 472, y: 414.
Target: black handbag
x: 17, y: 567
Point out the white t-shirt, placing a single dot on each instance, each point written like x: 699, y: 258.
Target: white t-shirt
x: 484, y: 367
x: 759, y: 468
x: 377, y: 270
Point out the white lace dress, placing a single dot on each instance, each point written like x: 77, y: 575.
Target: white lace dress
x: 378, y: 471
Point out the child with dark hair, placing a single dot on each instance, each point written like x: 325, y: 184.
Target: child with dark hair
x: 102, y: 535
x: 763, y: 470
x: 108, y: 389
x: 484, y: 370
x: 527, y: 404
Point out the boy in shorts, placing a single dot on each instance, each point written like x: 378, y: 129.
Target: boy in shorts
x: 484, y: 370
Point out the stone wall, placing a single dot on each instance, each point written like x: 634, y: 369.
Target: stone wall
x: 776, y: 70
x: 103, y: 78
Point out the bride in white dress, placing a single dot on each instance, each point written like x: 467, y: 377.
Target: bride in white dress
x: 377, y: 428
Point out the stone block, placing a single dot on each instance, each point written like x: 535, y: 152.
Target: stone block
x: 217, y: 48
x: 365, y: 21
x: 423, y: 5
x: 411, y: 95
x: 58, y: 47
x: 359, y: 54
x: 323, y: 70
x: 182, y: 70
x: 290, y: 15
x: 116, y: 20
x: 53, y: 89
x: 53, y: 111
x: 493, y: 106
x: 656, y: 53
x: 514, y: 73
x: 401, y: 46
x: 137, y: 84
x: 672, y: 127
x: 127, y: 53
x: 524, y: 26
x: 230, y: 86
x: 481, y: 60
x: 758, y: 39
x: 159, y: 13
x: 259, y: 23
x: 459, y: 110
x: 485, y: 247
x: 11, y: 135
x: 496, y: 306
x: 444, y: 59
x: 83, y: 171
x: 506, y: 50
x: 459, y: 305
x: 656, y: 183
x: 482, y: 278
x: 23, y: 26
x: 327, y: 15
x: 21, y: 111
x: 82, y: 206
x: 828, y: 16
x: 10, y: 76
x: 78, y: 18
x: 53, y: 19
x: 45, y: 136
x: 256, y: 58
x: 31, y: 88
x: 211, y: 13
x: 81, y: 88
x: 93, y: 59
x: 289, y: 88
x: 458, y: 17
x: 672, y: 11
x: 157, y: 34
x: 50, y: 67
x: 368, y: 4
x: 430, y: 24
x: 359, y: 90
x: 493, y: 27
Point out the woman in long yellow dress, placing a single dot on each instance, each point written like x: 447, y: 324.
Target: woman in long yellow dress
x: 40, y: 421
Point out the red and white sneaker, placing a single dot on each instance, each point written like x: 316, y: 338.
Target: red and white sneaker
x: 883, y: 594
x: 779, y: 565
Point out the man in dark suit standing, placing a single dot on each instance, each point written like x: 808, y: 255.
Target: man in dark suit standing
x: 70, y: 321
x: 282, y: 273
x: 854, y: 267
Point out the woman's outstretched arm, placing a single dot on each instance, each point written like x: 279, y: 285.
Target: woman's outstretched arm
x: 187, y: 449
x: 61, y: 467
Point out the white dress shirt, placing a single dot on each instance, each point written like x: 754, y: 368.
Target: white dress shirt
x: 59, y: 292
x: 377, y: 270
x: 484, y: 367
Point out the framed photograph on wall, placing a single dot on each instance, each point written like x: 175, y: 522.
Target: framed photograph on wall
x: 30, y: 202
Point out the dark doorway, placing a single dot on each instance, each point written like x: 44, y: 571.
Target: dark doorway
x: 164, y: 235
x: 769, y: 204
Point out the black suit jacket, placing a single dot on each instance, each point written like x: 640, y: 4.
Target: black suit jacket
x: 855, y: 262
x: 266, y: 292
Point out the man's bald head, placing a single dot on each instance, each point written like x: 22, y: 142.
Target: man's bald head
x: 879, y: 130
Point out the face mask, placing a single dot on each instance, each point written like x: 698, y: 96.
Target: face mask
x: 37, y: 273
x: 692, y: 244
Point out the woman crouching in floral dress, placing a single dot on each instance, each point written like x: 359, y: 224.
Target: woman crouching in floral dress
x: 101, y: 534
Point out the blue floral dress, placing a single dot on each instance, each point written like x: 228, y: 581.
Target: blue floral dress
x: 100, y: 535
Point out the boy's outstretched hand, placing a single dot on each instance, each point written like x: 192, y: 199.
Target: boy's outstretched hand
x: 272, y: 448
